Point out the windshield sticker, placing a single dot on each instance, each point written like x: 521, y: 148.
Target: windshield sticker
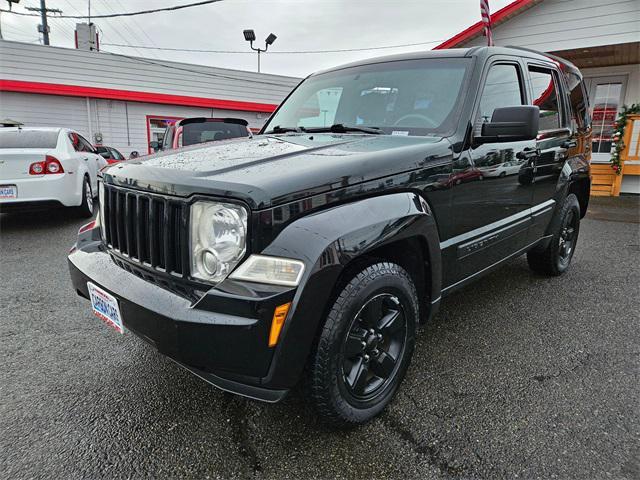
x: 402, y: 133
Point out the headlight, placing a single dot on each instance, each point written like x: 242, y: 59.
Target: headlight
x: 272, y: 270
x: 218, y: 239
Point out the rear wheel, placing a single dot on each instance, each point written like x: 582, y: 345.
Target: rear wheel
x: 366, y: 345
x: 556, y: 257
x: 86, y: 208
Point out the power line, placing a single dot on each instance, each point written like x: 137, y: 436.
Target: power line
x: 125, y: 14
x: 141, y: 29
x: 207, y: 74
x: 125, y: 26
x: 197, y: 50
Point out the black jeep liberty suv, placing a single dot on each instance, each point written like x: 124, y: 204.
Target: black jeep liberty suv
x: 314, y: 250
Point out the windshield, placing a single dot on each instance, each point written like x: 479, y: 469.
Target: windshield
x: 410, y: 97
x: 208, y: 131
x: 28, y: 139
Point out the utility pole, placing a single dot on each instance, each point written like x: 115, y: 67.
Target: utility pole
x: 44, y: 26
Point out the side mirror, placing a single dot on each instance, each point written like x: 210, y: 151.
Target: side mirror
x: 154, y: 145
x: 511, y: 124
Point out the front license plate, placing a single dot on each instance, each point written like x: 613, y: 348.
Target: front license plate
x: 105, y: 307
x: 8, y: 191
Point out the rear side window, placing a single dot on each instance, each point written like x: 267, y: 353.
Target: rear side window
x: 116, y: 154
x: 545, y: 96
x: 79, y: 143
x: 167, y: 140
x: 28, y: 139
x: 209, y: 131
x: 502, y: 88
x: 578, y: 100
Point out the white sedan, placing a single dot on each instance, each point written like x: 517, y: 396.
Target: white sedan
x: 47, y: 167
x: 502, y: 169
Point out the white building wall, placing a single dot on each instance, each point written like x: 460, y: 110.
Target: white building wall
x: 37, y: 63
x: 123, y: 125
x: 45, y: 110
x: 566, y: 24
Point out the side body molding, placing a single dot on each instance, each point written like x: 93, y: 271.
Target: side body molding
x: 327, y: 242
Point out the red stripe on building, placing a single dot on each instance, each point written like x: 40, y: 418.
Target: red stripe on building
x: 131, y: 96
x: 476, y: 29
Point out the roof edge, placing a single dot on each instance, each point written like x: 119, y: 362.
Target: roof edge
x: 132, y: 96
x: 502, y: 15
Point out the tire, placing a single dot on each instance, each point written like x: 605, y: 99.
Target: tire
x: 365, y: 346
x: 503, y: 174
x: 87, y: 207
x: 555, y: 259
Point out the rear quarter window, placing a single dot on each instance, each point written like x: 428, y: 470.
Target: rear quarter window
x: 28, y: 139
x: 579, y: 102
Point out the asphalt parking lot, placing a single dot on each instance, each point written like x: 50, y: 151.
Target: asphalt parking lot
x: 518, y: 376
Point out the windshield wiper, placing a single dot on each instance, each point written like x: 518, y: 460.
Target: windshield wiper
x: 342, y: 128
x: 279, y: 129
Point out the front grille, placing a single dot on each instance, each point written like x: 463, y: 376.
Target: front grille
x: 147, y: 229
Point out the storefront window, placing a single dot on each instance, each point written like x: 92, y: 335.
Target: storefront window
x: 605, y: 108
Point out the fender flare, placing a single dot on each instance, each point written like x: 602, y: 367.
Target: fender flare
x: 575, y: 175
x: 327, y: 242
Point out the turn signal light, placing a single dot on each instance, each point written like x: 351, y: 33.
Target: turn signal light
x: 50, y: 165
x: 279, y: 316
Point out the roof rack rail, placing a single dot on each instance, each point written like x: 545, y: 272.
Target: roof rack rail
x: 472, y: 50
x: 545, y: 54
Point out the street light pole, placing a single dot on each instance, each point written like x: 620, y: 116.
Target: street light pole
x: 250, y: 36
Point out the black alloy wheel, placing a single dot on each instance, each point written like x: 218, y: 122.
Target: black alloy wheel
x: 568, y: 237
x: 554, y: 257
x: 373, y: 345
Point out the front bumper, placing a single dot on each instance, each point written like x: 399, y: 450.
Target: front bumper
x: 221, y: 337
x: 63, y: 189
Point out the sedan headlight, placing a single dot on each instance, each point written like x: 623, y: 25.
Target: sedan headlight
x: 218, y: 239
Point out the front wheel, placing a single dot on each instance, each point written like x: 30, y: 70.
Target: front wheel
x: 366, y: 345
x: 86, y: 208
x: 555, y: 259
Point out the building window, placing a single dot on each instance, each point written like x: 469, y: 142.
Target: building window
x: 605, y: 108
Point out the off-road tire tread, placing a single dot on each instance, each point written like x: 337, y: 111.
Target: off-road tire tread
x: 320, y: 390
x: 544, y: 261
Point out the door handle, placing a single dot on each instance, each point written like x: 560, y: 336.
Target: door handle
x: 569, y: 144
x: 86, y: 159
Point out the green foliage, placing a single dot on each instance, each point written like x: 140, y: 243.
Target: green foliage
x: 618, y: 136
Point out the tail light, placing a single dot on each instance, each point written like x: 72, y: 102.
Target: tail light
x: 51, y: 165
x: 87, y: 227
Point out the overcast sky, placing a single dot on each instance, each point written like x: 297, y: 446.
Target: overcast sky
x: 299, y: 25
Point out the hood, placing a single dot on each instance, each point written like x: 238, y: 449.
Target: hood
x: 269, y: 170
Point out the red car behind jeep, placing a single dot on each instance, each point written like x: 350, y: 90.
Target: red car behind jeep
x: 190, y: 131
